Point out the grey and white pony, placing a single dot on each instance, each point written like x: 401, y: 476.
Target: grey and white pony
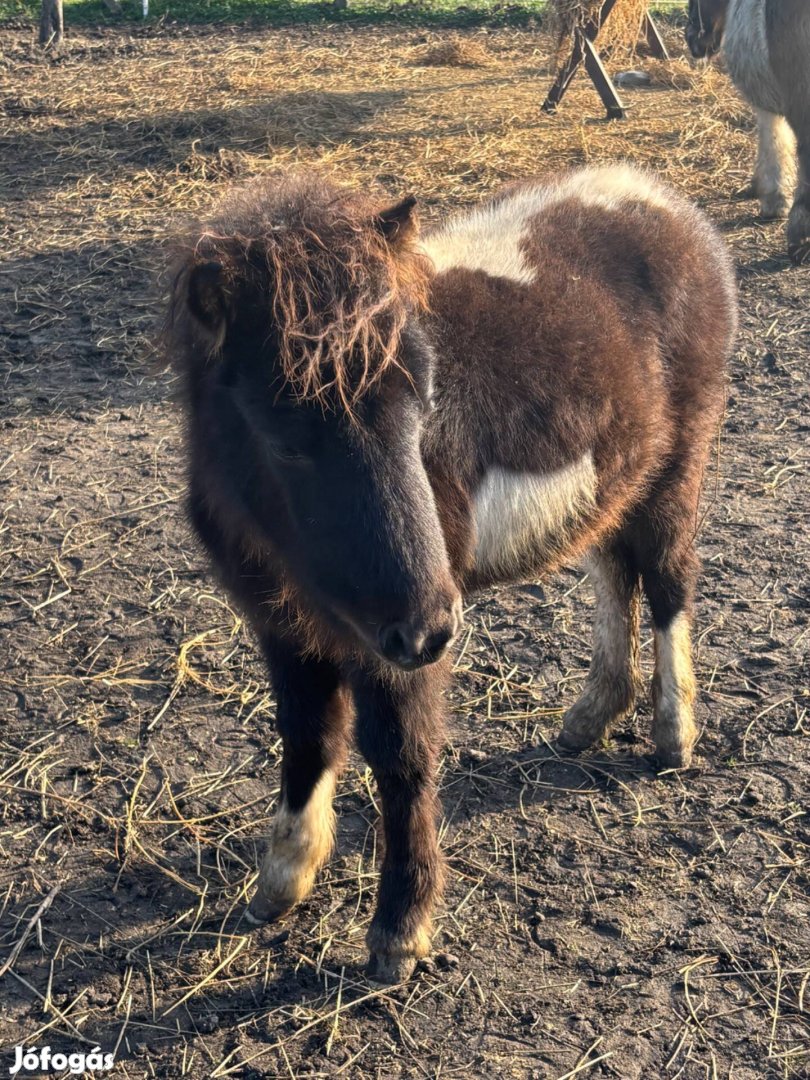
x: 766, y: 44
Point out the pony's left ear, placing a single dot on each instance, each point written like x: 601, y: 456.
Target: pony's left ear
x: 398, y: 222
x: 205, y: 296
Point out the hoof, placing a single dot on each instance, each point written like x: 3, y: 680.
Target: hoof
x: 261, y: 911
x: 572, y: 744
x: 774, y: 210
x: 750, y: 191
x: 798, y: 234
x: 673, y: 759
x: 390, y: 970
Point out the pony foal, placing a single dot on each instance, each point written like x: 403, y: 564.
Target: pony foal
x: 767, y: 47
x: 379, y: 423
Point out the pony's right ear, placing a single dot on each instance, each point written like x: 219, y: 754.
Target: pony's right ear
x: 205, y: 296
x: 398, y: 222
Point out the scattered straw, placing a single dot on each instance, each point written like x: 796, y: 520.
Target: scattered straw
x: 454, y: 51
x: 138, y: 761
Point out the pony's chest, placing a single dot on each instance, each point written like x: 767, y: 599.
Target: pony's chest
x: 524, y: 519
x: 746, y: 50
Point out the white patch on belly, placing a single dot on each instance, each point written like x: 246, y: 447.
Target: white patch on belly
x: 518, y: 513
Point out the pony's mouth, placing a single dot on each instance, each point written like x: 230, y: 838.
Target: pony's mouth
x: 433, y: 650
x: 703, y: 45
x: 399, y: 648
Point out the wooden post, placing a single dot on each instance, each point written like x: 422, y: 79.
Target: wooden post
x: 602, y: 81
x: 584, y: 50
x: 51, y: 23
x: 581, y: 51
x: 653, y: 39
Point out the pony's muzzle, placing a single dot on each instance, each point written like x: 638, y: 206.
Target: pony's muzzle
x: 411, y: 644
x: 702, y: 44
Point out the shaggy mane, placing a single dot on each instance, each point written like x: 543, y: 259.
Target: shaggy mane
x: 337, y: 292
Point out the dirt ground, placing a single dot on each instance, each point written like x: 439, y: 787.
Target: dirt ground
x: 601, y: 920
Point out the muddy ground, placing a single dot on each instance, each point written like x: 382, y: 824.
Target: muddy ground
x: 601, y: 920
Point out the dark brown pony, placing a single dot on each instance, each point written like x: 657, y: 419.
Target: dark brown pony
x: 378, y: 424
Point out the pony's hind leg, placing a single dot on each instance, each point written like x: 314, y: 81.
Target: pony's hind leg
x: 610, y: 686
x: 669, y: 572
x: 789, y: 50
x: 775, y: 174
x: 313, y: 718
x: 674, y: 731
x: 799, y: 220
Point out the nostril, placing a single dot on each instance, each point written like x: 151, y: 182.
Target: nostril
x: 396, y: 641
x: 437, y: 643
x: 410, y: 645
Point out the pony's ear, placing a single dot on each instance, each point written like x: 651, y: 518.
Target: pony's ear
x: 398, y: 222
x: 205, y: 296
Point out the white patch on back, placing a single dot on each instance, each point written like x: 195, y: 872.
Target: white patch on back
x: 519, y: 513
x: 611, y: 187
x: 490, y: 237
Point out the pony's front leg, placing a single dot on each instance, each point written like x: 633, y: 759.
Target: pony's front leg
x: 313, y: 716
x: 400, y: 733
x: 775, y: 174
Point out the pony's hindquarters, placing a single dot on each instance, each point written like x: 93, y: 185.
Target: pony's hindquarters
x: 655, y: 549
x: 689, y: 282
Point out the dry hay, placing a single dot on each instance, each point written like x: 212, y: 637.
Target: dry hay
x: 454, y: 51
x: 680, y: 74
x: 620, y: 33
